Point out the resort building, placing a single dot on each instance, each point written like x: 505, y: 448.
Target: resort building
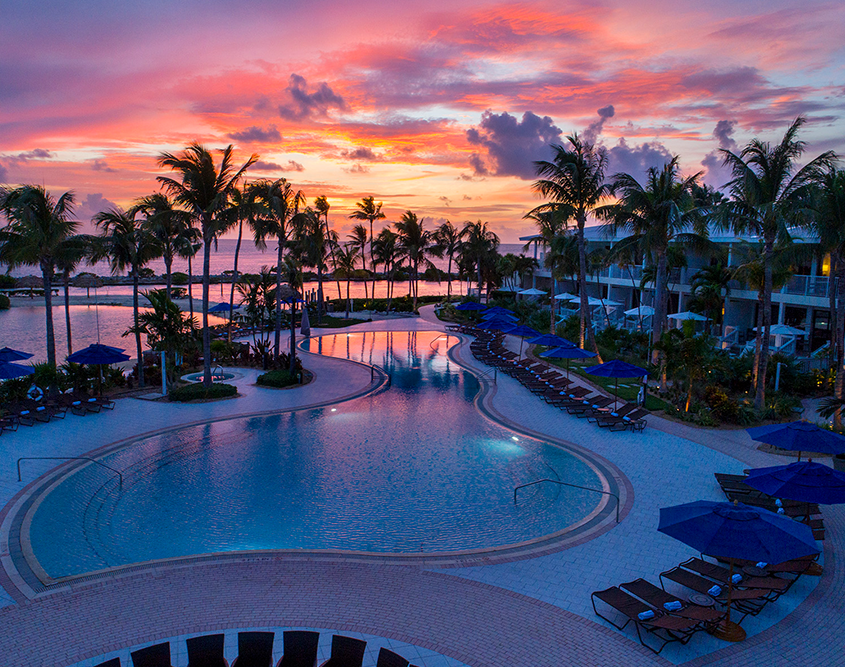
x: 803, y: 303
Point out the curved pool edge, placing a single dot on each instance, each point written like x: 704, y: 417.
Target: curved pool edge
x: 30, y: 580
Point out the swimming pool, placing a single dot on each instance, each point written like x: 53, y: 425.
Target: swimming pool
x: 413, y: 469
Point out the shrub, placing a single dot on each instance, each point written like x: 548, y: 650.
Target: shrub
x: 7, y: 281
x: 279, y: 378
x: 179, y: 278
x: 5, y: 302
x: 196, y: 391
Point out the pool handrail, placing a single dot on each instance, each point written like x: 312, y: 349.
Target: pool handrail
x: 68, y: 458
x: 494, y: 371
x: 373, y: 369
x: 575, y: 486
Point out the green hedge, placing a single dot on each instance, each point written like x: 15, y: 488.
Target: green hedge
x: 197, y: 391
x: 278, y: 378
x: 5, y: 303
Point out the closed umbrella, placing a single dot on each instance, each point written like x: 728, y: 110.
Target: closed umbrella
x: 729, y: 531
x: 567, y: 352
x: 305, y: 325
x: 800, y: 436
x: 8, y: 354
x: 9, y: 371
x: 617, y: 369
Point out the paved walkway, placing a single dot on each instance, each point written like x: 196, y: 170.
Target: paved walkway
x: 527, y: 613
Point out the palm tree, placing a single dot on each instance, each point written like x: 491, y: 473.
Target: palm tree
x: 314, y: 246
x: 828, y: 221
x: 710, y: 286
x: 126, y: 244
x: 447, y: 241
x: 414, y: 244
x: 478, y: 243
x: 657, y: 215
x: 203, y: 189
x: 387, y: 253
x: 552, y: 230
x: 368, y: 209
x: 767, y: 195
x: 70, y: 253
x: 358, y: 238
x: 690, y: 356
x: 574, y: 184
x: 280, y: 204
x: 38, y: 227
x: 322, y: 206
x: 168, y: 225
x: 344, y: 262
x: 245, y: 208
x: 187, y: 247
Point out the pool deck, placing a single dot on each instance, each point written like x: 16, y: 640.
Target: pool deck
x: 528, y: 612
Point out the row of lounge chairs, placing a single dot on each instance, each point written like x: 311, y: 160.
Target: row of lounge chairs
x: 30, y: 412
x: 735, y: 488
x: 555, y: 388
x: 255, y: 649
x: 664, y: 617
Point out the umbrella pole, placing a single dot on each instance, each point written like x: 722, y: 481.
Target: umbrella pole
x: 729, y: 631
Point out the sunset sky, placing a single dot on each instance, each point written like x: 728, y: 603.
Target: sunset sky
x: 438, y: 107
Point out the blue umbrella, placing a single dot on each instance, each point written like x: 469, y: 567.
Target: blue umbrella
x: 500, y: 310
x: 550, y: 340
x: 567, y: 352
x: 728, y: 531
x: 804, y: 481
x: 522, y: 331
x: 799, y: 437
x: 494, y: 325
x: 617, y: 369
x: 221, y: 308
x: 470, y: 305
x: 8, y: 354
x: 9, y: 371
x: 97, y: 354
x: 500, y: 316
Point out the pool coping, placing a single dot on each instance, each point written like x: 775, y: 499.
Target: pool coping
x: 23, y: 571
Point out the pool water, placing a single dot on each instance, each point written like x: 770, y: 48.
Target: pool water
x: 415, y: 468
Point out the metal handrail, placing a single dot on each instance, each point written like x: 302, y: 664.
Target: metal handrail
x: 431, y: 342
x: 376, y: 367
x: 574, y: 486
x: 494, y: 371
x: 68, y: 458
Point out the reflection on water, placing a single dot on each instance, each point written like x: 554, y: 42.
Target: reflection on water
x: 415, y: 468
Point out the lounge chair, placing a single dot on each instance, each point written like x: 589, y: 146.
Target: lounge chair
x: 588, y: 405
x: 721, y: 575
x: 152, y: 656
x: 388, y: 658
x: 255, y: 649
x: 346, y: 652
x: 8, y: 423
x: 657, y: 597
x: 665, y: 628
x: 623, y: 422
x: 206, y: 651
x: 300, y: 649
x: 608, y: 416
x: 746, y: 601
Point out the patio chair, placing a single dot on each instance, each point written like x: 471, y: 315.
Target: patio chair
x: 745, y: 601
x: 388, y: 658
x: 625, y: 421
x: 346, y: 652
x: 206, y: 651
x: 588, y: 406
x: 300, y: 649
x: 721, y: 575
x: 657, y: 597
x: 665, y: 628
x: 255, y: 649
x: 8, y: 423
x: 152, y: 656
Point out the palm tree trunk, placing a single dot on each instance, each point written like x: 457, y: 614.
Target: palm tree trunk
x: 478, y: 277
x: 319, y: 291
x: 760, y: 396
x: 372, y: 259
x: 190, y: 287
x: 449, y: 279
x: 292, y: 361
x: 416, y: 283
x: 67, y: 311
x: 206, y: 285
x: 278, y: 306
x: 833, y: 350
x: 587, y: 334
x: 839, y: 386
x: 389, y: 268
x: 364, y: 268
x: 168, y: 280
x: 234, y: 277
x: 348, y: 280
x: 659, y: 303
x: 135, y: 312
x: 47, y: 281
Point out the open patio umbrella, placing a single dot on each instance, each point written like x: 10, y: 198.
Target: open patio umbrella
x: 640, y: 311
x: 470, y: 305
x: 9, y: 371
x: 8, y: 354
x: 99, y: 355
x: 500, y: 310
x: 803, y: 481
x: 222, y: 308
x: 495, y: 324
x: 522, y: 331
x: 784, y: 330
x: 532, y: 292
x: 550, y: 340
x: 800, y: 436
x: 499, y: 316
x: 567, y: 352
x: 728, y: 531
x: 565, y: 296
x: 617, y: 369
x: 687, y: 315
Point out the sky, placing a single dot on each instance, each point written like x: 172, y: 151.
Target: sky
x: 433, y: 106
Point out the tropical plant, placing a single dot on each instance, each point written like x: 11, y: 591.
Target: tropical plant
x: 203, y: 189
x: 125, y: 244
x: 657, y: 215
x: 710, y: 286
x: 314, y: 244
x: 346, y: 256
x: 369, y: 210
x: 686, y: 356
x: 71, y: 252
x: 575, y: 185
x: 386, y: 252
x: 38, y: 227
x: 415, y: 244
x: 169, y: 225
x: 322, y: 206
x: 479, y: 243
x: 447, y: 242
x: 358, y: 238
